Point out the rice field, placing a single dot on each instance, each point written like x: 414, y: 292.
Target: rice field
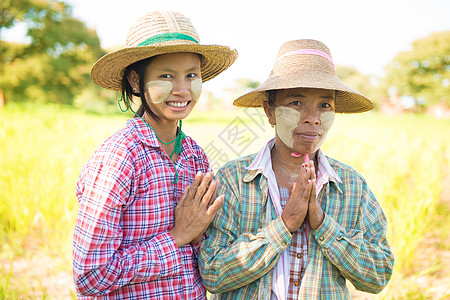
x: 405, y: 159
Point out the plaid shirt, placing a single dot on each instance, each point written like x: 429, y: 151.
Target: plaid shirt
x: 237, y: 259
x: 122, y: 248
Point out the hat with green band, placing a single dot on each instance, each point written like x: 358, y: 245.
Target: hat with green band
x: 159, y: 33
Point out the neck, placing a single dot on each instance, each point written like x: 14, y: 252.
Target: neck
x: 166, y: 130
x: 282, y: 154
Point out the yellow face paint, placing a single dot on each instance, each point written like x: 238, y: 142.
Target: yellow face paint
x: 326, y: 121
x: 196, y: 89
x: 158, y: 90
x: 287, y: 120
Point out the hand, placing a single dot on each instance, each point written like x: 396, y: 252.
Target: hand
x: 296, y: 207
x: 196, y: 209
x: 315, y: 212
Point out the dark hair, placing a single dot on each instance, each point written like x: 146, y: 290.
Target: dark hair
x: 271, y: 96
x: 127, y: 90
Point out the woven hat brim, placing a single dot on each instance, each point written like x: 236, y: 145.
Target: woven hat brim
x: 108, y: 71
x: 347, y: 99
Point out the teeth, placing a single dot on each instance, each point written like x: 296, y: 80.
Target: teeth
x: 177, y: 104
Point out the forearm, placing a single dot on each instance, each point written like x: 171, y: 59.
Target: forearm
x: 227, y: 264
x: 147, y: 261
x: 366, y: 263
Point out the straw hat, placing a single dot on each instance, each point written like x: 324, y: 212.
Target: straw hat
x: 306, y: 64
x: 160, y: 33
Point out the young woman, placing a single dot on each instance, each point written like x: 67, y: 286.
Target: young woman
x: 147, y: 194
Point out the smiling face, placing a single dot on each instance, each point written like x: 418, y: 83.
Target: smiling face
x: 173, y: 84
x: 302, y: 116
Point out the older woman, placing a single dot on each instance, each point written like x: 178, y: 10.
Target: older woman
x: 295, y: 223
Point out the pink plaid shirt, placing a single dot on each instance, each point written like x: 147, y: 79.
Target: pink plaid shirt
x: 121, y: 247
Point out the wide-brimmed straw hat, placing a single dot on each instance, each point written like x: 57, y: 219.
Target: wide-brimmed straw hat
x: 160, y: 33
x: 306, y: 64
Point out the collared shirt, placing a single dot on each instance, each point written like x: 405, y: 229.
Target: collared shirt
x: 122, y: 248
x: 237, y: 259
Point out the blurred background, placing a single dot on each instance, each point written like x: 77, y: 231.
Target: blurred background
x: 52, y: 117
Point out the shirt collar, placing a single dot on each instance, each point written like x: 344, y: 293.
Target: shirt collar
x: 325, y: 172
x: 148, y: 137
x: 262, y: 162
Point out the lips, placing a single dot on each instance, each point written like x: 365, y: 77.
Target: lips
x: 308, y: 135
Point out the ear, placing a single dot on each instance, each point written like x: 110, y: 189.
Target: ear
x: 133, y: 80
x: 270, y: 113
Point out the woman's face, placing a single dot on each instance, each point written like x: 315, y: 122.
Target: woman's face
x: 303, y: 117
x: 173, y: 84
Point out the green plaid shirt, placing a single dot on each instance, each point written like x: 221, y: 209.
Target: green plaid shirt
x: 237, y: 259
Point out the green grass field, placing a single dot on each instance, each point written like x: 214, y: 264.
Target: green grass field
x: 42, y: 149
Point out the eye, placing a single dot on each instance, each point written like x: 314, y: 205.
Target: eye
x: 165, y: 76
x: 191, y: 75
x: 325, y: 105
x: 296, y: 103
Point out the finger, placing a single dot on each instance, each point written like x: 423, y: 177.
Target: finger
x: 307, y: 191
x: 212, y: 190
x: 312, y: 198
x: 312, y: 170
x: 215, y: 206
x: 194, y: 186
x: 209, y: 193
x: 305, y: 171
x: 201, y: 190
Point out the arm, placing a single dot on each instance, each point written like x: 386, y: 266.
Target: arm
x: 361, y: 254
x: 101, y: 261
x: 235, y: 254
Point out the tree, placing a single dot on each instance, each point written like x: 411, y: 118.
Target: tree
x: 54, y: 66
x: 424, y: 71
x: 365, y: 84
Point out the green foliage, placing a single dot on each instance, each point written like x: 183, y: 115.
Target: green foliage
x: 12, y: 11
x: 424, y: 71
x: 55, y: 66
x: 366, y: 85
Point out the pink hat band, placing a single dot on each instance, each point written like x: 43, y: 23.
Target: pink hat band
x: 307, y: 51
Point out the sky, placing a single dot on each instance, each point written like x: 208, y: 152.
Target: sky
x: 363, y: 34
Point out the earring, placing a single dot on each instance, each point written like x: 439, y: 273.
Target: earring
x: 273, y: 125
x: 134, y: 90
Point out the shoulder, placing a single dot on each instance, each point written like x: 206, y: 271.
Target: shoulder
x: 198, y: 151
x: 117, y: 147
x: 345, y: 171
x: 236, y: 167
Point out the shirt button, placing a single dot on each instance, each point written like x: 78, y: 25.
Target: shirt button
x: 299, y: 255
x: 296, y: 283
x: 321, y: 238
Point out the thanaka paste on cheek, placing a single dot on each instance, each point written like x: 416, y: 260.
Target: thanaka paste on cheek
x: 326, y: 121
x: 287, y: 120
x: 196, y: 89
x: 158, y: 90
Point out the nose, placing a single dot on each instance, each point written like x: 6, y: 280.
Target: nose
x: 181, y: 87
x: 310, y: 116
